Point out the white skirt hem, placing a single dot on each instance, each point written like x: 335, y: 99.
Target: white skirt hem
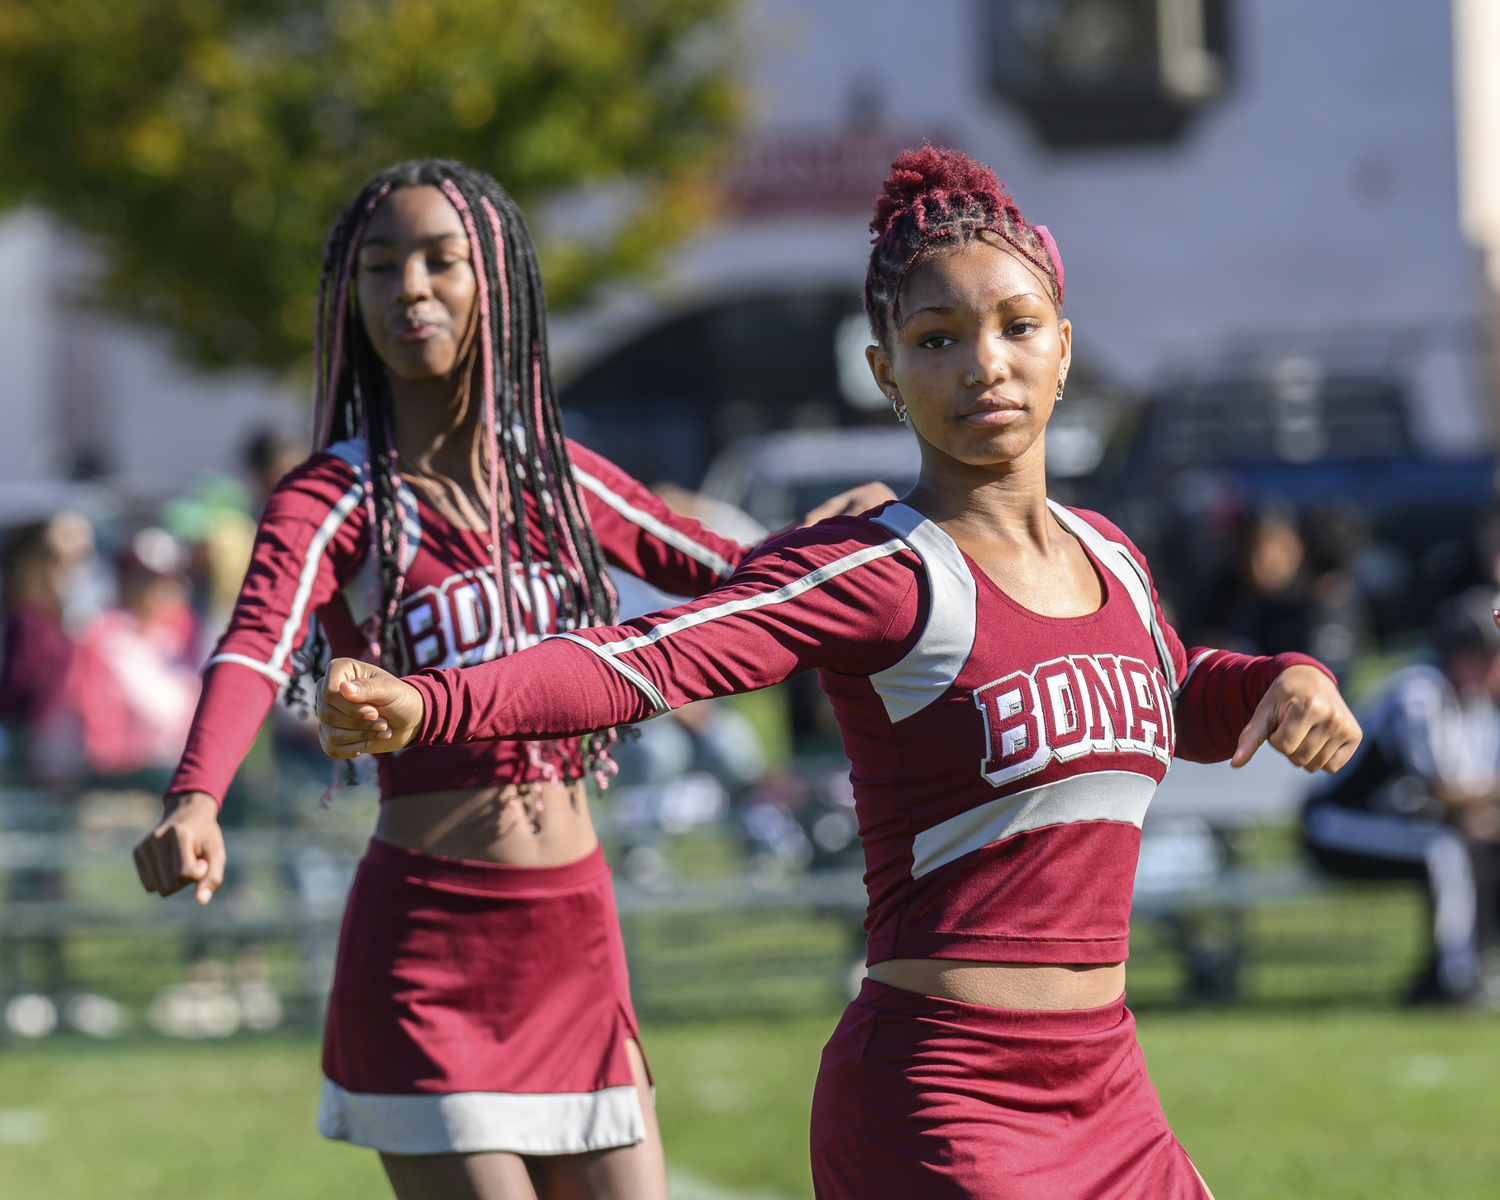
x: 476, y: 1122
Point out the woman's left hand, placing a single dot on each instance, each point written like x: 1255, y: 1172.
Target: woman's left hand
x: 1304, y: 717
x: 364, y: 710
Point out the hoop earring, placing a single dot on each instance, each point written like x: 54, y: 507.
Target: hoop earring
x: 899, y: 409
x: 1059, y: 390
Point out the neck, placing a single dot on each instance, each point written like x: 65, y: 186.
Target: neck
x: 1004, y: 501
x: 437, y: 429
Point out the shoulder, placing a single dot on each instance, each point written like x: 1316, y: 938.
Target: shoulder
x: 332, y: 478
x: 1107, y: 530
x: 589, y: 461
x: 605, y: 482
x: 343, y: 463
x: 352, y: 453
x: 835, y: 546
x: 596, y: 472
x: 1103, y: 526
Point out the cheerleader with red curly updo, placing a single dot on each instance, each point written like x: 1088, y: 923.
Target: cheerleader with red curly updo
x: 1009, y: 696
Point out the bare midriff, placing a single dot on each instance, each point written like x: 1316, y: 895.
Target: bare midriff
x: 1035, y: 986
x: 547, y: 825
x: 542, y: 825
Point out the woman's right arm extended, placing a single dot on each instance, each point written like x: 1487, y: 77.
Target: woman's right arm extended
x: 309, y: 541
x: 843, y: 596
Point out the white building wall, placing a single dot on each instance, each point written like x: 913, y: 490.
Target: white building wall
x: 1316, y: 200
x: 167, y: 424
x: 77, y: 383
x: 28, y: 358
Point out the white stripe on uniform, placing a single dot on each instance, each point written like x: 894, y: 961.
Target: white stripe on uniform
x: 782, y: 594
x: 337, y: 515
x: 1116, y: 558
x: 1098, y: 796
x: 929, y: 668
x: 648, y: 689
x: 657, y: 528
x: 277, y: 677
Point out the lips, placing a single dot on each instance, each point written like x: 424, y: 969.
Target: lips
x: 417, y: 331
x: 1003, y: 412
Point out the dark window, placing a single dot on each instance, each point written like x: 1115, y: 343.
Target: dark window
x: 662, y: 405
x: 1249, y: 422
x: 1108, y: 72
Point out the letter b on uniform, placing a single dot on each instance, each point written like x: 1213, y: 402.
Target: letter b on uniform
x: 1015, y: 743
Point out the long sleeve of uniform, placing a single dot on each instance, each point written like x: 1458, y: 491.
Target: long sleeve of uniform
x: 1217, y: 690
x: 231, y: 707
x: 641, y: 535
x: 309, y: 542
x: 1221, y: 694
x: 835, y: 597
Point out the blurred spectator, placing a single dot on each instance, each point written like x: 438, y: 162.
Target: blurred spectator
x: 37, y: 648
x: 132, y: 683
x: 1339, y: 616
x: 680, y: 771
x: 38, y: 652
x: 213, y: 521
x: 770, y: 816
x: 88, y: 583
x: 1419, y: 798
x: 1266, y: 610
x: 267, y: 457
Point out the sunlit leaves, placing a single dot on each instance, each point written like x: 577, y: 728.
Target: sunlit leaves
x: 208, y: 143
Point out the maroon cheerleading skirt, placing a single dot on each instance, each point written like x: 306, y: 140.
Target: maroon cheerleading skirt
x: 919, y: 1096
x: 479, y: 1007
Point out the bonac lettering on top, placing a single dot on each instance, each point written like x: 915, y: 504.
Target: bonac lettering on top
x: 1069, y: 707
x: 456, y: 623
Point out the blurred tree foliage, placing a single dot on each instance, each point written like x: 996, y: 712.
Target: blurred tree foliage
x: 208, y: 144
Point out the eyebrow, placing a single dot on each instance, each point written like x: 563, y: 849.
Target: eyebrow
x: 944, y: 310
x: 436, y: 237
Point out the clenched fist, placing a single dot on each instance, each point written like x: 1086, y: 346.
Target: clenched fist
x: 1304, y: 717
x: 364, y: 710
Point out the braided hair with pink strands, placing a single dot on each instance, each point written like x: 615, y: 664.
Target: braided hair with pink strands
x: 938, y: 199
x: 523, y: 468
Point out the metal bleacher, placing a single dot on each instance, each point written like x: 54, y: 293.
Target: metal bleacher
x: 702, y: 942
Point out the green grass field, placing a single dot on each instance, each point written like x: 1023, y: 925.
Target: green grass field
x: 1313, y: 1088
x: 1330, y: 1104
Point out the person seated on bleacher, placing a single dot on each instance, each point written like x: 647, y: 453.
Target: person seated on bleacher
x: 1419, y: 798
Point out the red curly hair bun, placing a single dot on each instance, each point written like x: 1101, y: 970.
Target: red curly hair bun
x: 939, y: 181
x: 939, y: 195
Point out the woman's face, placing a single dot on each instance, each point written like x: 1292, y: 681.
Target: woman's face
x: 415, y: 283
x: 977, y: 354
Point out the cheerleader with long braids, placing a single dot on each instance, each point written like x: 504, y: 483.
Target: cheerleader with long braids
x: 1009, y: 695
x: 480, y: 1032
